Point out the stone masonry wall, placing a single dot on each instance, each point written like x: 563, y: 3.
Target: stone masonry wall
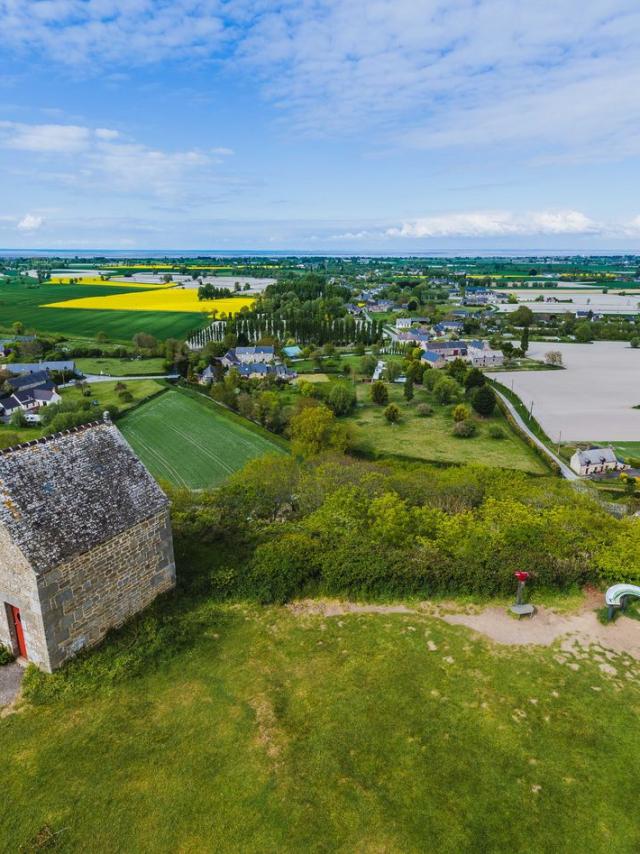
x: 18, y: 587
x: 98, y: 590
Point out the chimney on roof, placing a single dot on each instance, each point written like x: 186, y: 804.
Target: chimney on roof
x: 106, y: 417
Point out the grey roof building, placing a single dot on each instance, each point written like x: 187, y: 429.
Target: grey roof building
x: 85, y: 541
x: 66, y: 365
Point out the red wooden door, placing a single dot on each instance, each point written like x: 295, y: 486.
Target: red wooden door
x: 17, y: 624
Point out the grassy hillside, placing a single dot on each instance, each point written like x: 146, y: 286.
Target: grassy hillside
x: 190, y: 441
x: 234, y: 728
x: 431, y: 438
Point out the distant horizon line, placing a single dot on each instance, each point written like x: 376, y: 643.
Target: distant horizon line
x: 321, y: 253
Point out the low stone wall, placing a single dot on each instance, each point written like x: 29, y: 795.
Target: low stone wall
x: 99, y: 590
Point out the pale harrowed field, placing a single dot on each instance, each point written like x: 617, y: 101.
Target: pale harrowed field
x: 592, y: 400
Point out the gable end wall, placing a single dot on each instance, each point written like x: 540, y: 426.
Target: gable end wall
x: 99, y: 590
x: 18, y: 587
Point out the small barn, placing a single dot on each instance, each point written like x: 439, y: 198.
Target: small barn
x: 85, y: 542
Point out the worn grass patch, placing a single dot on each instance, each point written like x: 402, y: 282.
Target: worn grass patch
x: 262, y: 730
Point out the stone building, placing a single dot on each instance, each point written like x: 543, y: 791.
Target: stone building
x: 85, y: 541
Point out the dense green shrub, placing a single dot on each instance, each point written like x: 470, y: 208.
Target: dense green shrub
x: 282, y: 566
x: 446, y: 390
x: 461, y: 413
x: 484, y: 400
x: 392, y: 413
x: 424, y: 410
x: 379, y: 393
x: 496, y: 432
x: 464, y: 429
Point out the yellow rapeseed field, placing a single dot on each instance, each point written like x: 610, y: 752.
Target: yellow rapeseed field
x: 96, y: 280
x: 159, y: 299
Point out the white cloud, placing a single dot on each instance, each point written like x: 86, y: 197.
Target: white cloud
x: 497, y: 224
x: 45, y: 138
x: 425, y: 73
x: 30, y: 222
x: 100, y: 32
x: 106, y: 133
x: 103, y: 159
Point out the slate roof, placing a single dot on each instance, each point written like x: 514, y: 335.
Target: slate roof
x: 38, y: 379
x: 597, y: 456
x: 65, y: 494
x: 33, y: 367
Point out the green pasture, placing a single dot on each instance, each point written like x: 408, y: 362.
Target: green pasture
x: 431, y: 438
x: 121, y: 367
x: 627, y: 449
x: 204, y: 727
x: 192, y: 442
x: 27, y: 305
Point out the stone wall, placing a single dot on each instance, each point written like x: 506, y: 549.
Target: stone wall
x: 18, y: 587
x: 93, y: 592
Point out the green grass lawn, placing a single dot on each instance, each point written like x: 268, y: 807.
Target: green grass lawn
x: 121, y: 367
x: 104, y: 393
x: 107, y: 395
x: 432, y: 439
x: 257, y: 730
x: 26, y: 304
x: 628, y: 449
x: 190, y: 441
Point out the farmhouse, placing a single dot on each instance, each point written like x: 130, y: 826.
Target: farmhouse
x: 433, y: 359
x: 28, y: 402
x: 596, y: 461
x: 85, y: 542
x: 28, y: 393
x: 403, y: 322
x: 448, y: 349
x: 482, y: 356
x: 248, y: 356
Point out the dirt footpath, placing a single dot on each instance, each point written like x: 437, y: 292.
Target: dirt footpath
x: 10, y: 681
x: 546, y: 626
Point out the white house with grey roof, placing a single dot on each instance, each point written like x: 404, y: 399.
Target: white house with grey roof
x: 596, y: 461
x: 85, y: 542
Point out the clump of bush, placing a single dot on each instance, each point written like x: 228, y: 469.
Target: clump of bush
x: 424, y: 410
x: 464, y: 429
x: 392, y: 413
x: 461, y: 413
x: 6, y: 656
x: 496, y: 432
x: 484, y: 400
x: 282, y: 566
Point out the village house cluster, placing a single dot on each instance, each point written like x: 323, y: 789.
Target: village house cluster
x: 251, y: 363
x: 27, y: 388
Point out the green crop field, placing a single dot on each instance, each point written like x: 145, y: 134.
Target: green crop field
x: 26, y: 304
x: 193, y: 442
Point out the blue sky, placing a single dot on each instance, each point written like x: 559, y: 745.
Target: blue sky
x: 396, y: 125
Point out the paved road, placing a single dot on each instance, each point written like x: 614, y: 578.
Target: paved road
x: 566, y: 472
